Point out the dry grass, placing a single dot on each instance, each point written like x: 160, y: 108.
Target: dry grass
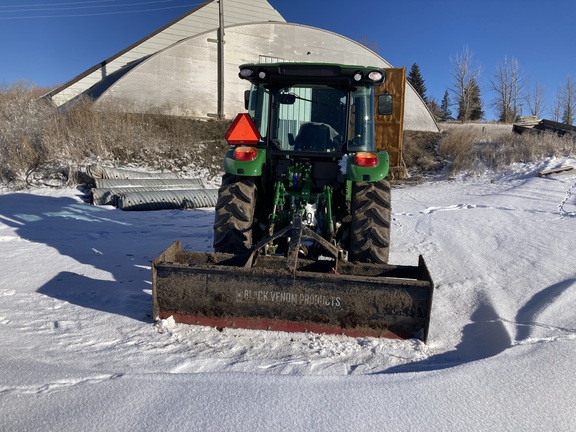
x: 472, y: 149
x: 419, y: 151
x: 39, y: 144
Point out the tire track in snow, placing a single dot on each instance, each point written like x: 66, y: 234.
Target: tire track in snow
x: 431, y: 210
x: 533, y: 341
x: 464, y: 206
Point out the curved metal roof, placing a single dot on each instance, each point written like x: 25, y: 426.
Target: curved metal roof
x: 198, y: 20
x: 182, y: 78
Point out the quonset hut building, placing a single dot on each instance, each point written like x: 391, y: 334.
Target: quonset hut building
x: 189, y: 67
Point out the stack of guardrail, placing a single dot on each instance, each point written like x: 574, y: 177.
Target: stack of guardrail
x: 137, y: 190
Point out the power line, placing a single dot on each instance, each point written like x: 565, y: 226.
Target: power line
x: 56, y: 4
x: 101, y: 13
x: 34, y: 9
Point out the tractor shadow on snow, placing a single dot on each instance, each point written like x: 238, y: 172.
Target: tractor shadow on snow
x: 104, y: 273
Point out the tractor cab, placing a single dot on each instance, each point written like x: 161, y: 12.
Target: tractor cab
x: 307, y: 108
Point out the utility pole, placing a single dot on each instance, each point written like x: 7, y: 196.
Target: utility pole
x: 221, y: 61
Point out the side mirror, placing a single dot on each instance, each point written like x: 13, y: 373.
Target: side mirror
x: 385, y: 104
x: 246, y: 99
x: 286, y: 99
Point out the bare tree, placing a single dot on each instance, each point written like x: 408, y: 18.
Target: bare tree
x: 568, y: 101
x: 534, y: 98
x: 508, y: 83
x: 556, y: 107
x: 434, y: 107
x: 463, y: 74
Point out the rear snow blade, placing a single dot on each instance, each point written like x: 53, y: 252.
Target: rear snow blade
x: 224, y: 290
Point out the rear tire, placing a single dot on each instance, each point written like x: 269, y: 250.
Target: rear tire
x: 234, y: 218
x: 370, y: 230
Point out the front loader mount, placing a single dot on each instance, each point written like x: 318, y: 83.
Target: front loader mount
x: 292, y: 294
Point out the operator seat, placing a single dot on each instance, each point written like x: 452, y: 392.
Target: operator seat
x: 313, y: 137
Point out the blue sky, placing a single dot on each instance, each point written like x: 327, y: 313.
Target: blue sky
x: 48, y: 42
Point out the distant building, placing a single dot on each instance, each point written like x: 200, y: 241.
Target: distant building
x: 175, y: 69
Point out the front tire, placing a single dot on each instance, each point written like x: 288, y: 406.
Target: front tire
x: 234, y: 216
x: 370, y: 229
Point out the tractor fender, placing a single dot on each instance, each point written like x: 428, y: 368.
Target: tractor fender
x: 357, y: 173
x: 252, y: 168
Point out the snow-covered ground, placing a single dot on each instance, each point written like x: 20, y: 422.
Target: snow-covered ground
x: 81, y: 353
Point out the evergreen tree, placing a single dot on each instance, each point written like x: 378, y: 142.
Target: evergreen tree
x: 470, y: 104
x: 445, y: 112
x: 568, y: 101
x: 415, y: 78
x: 476, y: 112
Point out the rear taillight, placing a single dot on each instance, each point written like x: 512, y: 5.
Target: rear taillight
x: 245, y: 153
x: 366, y: 159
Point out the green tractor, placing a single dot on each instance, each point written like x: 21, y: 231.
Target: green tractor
x: 306, y: 149
x: 302, y: 221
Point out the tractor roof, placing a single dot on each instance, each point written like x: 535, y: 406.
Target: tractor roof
x: 312, y: 73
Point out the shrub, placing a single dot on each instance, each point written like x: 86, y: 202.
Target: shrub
x: 420, y: 152
x: 23, y: 122
x: 472, y: 149
x: 39, y: 143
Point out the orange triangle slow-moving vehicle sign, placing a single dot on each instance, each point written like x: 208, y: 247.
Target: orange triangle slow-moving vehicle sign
x: 243, y: 131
